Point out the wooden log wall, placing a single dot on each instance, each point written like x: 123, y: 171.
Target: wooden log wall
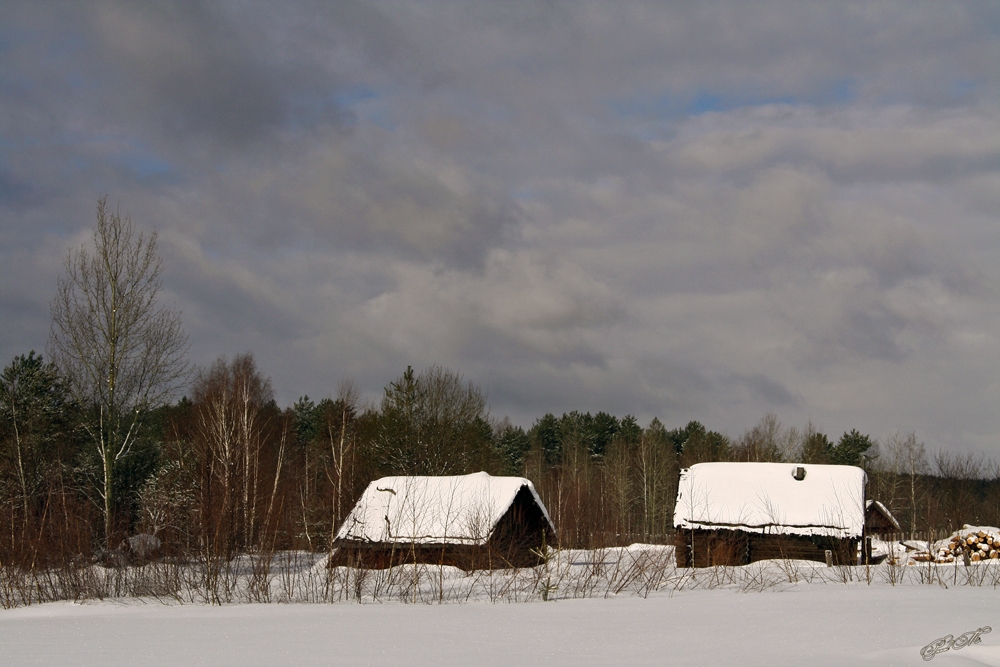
x: 707, y: 548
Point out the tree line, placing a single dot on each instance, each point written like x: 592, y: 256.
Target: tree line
x: 92, y: 449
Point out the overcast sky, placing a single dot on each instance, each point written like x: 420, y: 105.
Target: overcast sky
x: 708, y: 210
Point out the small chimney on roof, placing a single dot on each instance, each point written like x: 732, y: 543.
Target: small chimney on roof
x: 799, y: 473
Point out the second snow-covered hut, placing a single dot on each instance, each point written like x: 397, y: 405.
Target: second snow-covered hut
x: 470, y: 521
x: 737, y: 513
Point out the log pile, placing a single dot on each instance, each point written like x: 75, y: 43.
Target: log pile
x: 978, y: 544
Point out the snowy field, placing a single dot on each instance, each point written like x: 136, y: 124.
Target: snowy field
x: 627, y: 606
x: 814, y: 624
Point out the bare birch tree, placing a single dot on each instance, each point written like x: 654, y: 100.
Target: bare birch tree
x: 121, y: 352
x: 340, y: 429
x: 906, y: 457
x: 657, y: 471
x: 230, y: 402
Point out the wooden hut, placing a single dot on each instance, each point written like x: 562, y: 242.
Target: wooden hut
x: 738, y: 513
x: 469, y: 521
x: 881, y: 524
x: 879, y: 520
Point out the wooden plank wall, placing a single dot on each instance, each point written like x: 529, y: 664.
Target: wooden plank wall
x: 705, y: 548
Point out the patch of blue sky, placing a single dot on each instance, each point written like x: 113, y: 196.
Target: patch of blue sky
x: 351, y: 96
x: 307, y: 111
x: 381, y: 117
x: 13, y: 82
x: 78, y: 81
x: 11, y: 38
x: 74, y: 164
x: 526, y: 194
x: 12, y: 189
x: 672, y: 106
x: 963, y: 88
x: 714, y: 102
x: 834, y: 93
x: 650, y: 132
x: 66, y: 44
x: 310, y: 110
x: 142, y: 164
x: 368, y: 104
x: 9, y: 143
x: 344, y: 106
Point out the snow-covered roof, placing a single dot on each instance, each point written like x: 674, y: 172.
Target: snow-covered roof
x: 768, y: 498
x: 461, y: 509
x: 876, y: 506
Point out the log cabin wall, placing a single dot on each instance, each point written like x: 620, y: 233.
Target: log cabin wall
x: 465, y: 557
x: 708, y: 548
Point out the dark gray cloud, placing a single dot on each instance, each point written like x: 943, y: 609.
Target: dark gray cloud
x: 704, y: 210
x: 189, y: 68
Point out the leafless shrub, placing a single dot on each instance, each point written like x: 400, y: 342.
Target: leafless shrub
x: 789, y: 568
x: 759, y: 577
x: 892, y: 570
x: 928, y: 575
x: 977, y: 573
x: 843, y: 574
x: 639, y: 570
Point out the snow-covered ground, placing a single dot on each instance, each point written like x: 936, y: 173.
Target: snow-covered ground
x: 814, y: 624
x: 621, y: 606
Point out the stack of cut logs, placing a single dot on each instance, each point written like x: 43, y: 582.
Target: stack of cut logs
x: 980, y: 545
